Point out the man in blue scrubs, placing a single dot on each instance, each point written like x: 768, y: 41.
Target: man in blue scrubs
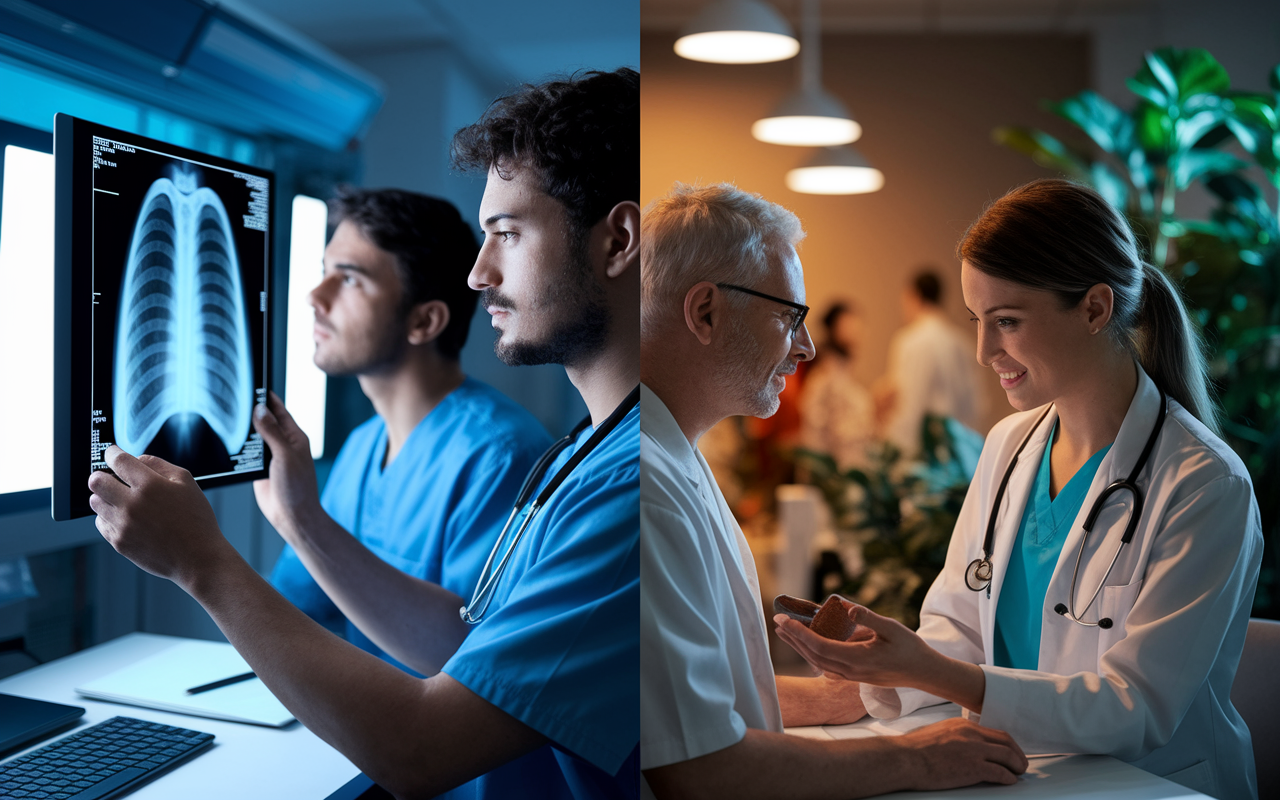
x: 540, y: 697
x: 426, y: 484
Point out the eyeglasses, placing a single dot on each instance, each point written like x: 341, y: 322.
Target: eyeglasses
x: 802, y: 310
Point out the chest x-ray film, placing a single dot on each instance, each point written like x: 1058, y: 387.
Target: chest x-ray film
x: 161, y: 344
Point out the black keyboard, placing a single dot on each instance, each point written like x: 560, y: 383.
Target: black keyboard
x: 101, y: 761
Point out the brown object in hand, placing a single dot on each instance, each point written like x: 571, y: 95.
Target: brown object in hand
x: 801, y: 611
x: 830, y: 620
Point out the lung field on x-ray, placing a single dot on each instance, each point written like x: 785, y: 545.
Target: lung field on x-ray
x: 182, y: 344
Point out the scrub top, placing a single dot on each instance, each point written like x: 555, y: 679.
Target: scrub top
x: 436, y: 509
x: 559, y: 647
x: 1044, y: 528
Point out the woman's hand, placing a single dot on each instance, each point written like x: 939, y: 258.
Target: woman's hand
x: 884, y: 652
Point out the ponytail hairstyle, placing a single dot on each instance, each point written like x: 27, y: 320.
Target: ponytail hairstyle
x: 1062, y: 237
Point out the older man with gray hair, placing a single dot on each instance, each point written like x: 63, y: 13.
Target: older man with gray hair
x: 722, y: 324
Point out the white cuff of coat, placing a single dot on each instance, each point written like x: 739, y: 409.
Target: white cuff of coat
x: 1002, y: 696
x: 883, y: 703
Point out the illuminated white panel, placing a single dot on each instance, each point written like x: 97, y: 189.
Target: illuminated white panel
x: 26, y: 321
x: 304, y: 383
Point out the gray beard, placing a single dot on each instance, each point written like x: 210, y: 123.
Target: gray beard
x: 739, y: 376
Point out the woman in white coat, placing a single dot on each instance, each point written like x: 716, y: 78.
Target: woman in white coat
x: 1095, y: 350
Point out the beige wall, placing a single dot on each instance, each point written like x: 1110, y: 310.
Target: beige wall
x: 927, y: 105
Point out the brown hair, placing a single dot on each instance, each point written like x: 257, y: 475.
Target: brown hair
x: 433, y: 248
x: 1062, y: 237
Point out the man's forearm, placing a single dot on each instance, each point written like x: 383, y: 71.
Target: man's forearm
x: 771, y: 765
x: 406, y: 733
x: 416, y: 621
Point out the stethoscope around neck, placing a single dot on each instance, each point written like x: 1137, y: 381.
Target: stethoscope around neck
x: 977, y: 576
x: 474, y: 611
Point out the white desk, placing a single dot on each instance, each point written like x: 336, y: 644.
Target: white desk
x: 1048, y: 778
x: 246, y: 761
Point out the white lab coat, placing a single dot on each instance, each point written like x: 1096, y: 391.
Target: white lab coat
x: 1154, y: 689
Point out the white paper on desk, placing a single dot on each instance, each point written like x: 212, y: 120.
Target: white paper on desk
x: 161, y: 681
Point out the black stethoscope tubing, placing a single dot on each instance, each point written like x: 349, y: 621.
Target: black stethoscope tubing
x: 488, y: 580
x: 977, y: 576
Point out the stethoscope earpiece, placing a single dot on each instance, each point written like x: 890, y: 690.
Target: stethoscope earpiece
x: 1061, y: 610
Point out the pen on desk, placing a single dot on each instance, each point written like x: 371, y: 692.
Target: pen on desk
x: 204, y: 687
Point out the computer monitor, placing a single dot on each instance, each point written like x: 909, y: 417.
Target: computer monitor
x: 162, y: 261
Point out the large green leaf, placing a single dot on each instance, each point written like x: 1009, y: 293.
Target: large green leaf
x: 1193, y: 71
x: 1192, y: 164
x: 1156, y: 81
x: 1275, y: 78
x: 1151, y: 91
x: 1181, y: 105
x: 1199, y: 72
x: 1098, y: 117
x: 1258, y: 110
x: 1154, y: 130
x: 1245, y: 134
x: 1190, y: 130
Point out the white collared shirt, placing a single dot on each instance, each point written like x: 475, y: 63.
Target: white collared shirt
x: 705, y: 674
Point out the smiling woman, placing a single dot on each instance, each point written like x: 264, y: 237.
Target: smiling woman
x: 1098, y: 583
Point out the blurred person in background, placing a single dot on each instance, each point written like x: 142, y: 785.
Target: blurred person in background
x: 930, y: 368
x: 836, y: 411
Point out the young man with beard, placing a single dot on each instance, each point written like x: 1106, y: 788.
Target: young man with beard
x: 425, y: 484
x: 723, y: 314
x: 539, y: 688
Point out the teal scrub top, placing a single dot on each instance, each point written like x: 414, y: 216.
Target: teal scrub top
x: 1045, y: 525
x: 559, y: 647
x: 435, y: 510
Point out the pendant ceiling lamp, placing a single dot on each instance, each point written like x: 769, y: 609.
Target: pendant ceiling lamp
x: 836, y: 170
x: 809, y: 116
x: 737, y: 32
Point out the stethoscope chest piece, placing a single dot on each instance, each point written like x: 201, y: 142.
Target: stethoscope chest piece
x: 978, y: 574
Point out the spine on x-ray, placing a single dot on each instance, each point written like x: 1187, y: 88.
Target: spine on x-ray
x: 182, y: 343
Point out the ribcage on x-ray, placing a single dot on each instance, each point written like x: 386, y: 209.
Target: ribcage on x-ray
x: 182, y: 343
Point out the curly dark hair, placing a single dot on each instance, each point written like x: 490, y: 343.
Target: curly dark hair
x: 434, y: 250
x: 580, y: 135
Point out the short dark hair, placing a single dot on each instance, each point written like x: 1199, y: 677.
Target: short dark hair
x: 927, y: 287
x: 434, y: 250
x: 580, y: 135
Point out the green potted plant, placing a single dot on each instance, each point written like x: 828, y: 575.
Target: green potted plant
x: 900, y: 513
x: 1188, y: 128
